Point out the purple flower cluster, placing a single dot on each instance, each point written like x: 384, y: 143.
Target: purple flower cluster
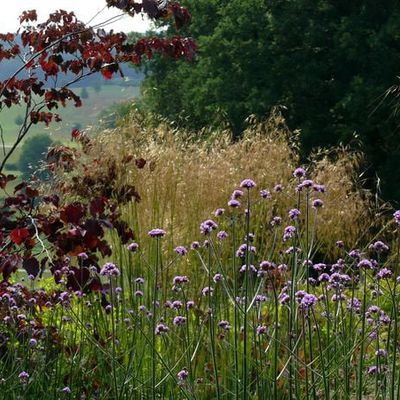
x: 109, y: 269
x: 157, y: 233
x: 208, y: 226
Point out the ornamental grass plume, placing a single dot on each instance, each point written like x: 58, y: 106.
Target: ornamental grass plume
x: 177, y: 182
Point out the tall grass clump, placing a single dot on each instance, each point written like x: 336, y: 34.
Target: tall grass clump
x: 181, y: 177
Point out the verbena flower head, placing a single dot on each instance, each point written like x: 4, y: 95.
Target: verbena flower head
x: 396, y: 217
x: 179, y: 320
x: 299, y: 173
x: 180, y: 280
x: 319, y: 188
x: 261, y: 330
x: 278, y: 188
x: 384, y: 273
x: 195, y: 245
x: 133, y: 247
x: 218, y: 278
x: 180, y: 250
x: 236, y: 194
x: 161, y: 329
x: 234, y: 203
x: 225, y: 325
x: 276, y: 221
x: 221, y: 235
x: 109, y: 269
x: 208, y: 226
x: 265, y: 194
x: 317, y: 203
x: 23, y: 377
x: 33, y: 342
x: 378, y: 246
x: 366, y: 264
x: 289, y: 232
x: 247, y: 184
x: 219, y: 211
x: 66, y: 390
x: 183, y: 374
x: 294, y: 213
x: 157, y: 233
x: 139, y: 280
x: 207, y: 291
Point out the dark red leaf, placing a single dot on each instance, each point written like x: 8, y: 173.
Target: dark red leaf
x: 18, y: 236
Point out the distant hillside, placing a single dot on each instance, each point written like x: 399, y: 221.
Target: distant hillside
x: 133, y: 77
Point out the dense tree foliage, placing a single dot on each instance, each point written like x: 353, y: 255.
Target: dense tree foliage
x: 33, y: 151
x: 328, y: 63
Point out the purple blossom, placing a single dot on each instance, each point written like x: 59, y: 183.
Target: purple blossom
x: 299, y: 173
x: 33, y: 342
x: 133, y: 247
x: 354, y: 304
x: 157, y: 233
x: 66, y: 390
x: 109, y: 269
x: 218, y: 278
x: 261, y: 330
x: 252, y: 268
x: 161, y: 329
x: 323, y: 277
x: 294, y: 213
x: 176, y: 304
x: 236, y: 194
x: 355, y: 254
x: 396, y: 217
x: 83, y: 256
x: 179, y: 280
x: 180, y: 250
x: 267, y: 265
x: 289, y: 232
x: 233, y: 203
x: 308, y: 301
x: 195, y: 245
x: 247, y: 184
x: 384, y: 273
x: 276, y: 221
x: 208, y: 226
x: 179, y: 320
x: 265, y: 194
x: 241, y: 251
x: 139, y: 280
x: 381, y: 353
x: 339, y: 244
x: 219, y: 211
x: 183, y: 374
x: 378, y: 246
x: 225, y: 325
x: 207, y: 291
x: 319, y: 188
x: 278, y: 188
x: 366, y: 264
x: 319, y: 267
x: 23, y: 377
x: 139, y: 293
x: 189, y: 304
x: 317, y: 203
x: 221, y: 235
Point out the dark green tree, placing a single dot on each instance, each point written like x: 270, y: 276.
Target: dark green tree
x: 328, y: 63
x: 33, y: 151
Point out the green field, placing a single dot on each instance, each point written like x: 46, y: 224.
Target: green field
x: 84, y: 117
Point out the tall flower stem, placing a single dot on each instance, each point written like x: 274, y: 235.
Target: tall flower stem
x: 154, y: 321
x: 211, y: 310
x: 246, y: 290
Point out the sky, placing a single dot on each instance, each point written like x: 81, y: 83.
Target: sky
x: 84, y: 9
